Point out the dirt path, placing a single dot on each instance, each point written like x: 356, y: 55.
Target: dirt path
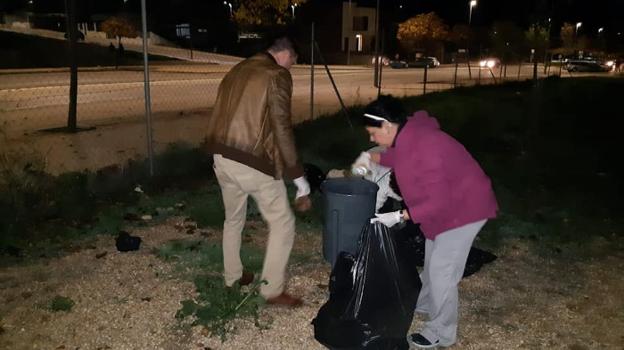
x: 129, y: 301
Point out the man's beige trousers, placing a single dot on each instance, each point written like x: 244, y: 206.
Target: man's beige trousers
x: 237, y: 182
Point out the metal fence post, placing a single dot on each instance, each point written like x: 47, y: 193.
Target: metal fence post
x: 455, y: 74
x: 479, y: 65
x: 425, y: 79
x: 468, y: 61
x: 534, y: 70
x: 70, y: 14
x: 312, y: 74
x: 148, y: 102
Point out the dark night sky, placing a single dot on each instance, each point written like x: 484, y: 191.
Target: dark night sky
x: 593, y: 13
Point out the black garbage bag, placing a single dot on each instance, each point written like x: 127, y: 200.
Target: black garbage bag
x: 314, y: 175
x: 372, y: 296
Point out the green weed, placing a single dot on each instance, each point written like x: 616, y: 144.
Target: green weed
x: 216, y: 306
x: 61, y: 303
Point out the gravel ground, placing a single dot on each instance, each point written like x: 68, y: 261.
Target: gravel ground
x: 128, y: 301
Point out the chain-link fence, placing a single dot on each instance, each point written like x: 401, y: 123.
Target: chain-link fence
x: 431, y: 78
x: 183, y: 81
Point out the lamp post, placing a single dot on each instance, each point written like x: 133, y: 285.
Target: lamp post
x: 578, y: 25
x: 473, y: 3
x: 292, y: 7
x: 228, y: 4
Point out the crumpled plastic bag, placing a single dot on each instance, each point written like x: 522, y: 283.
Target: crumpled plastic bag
x: 372, y: 295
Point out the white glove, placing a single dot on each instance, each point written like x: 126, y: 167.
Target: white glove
x: 303, y: 187
x: 388, y: 219
x: 364, y: 160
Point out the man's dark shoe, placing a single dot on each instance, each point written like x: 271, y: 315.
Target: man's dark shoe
x: 246, y: 278
x: 419, y: 341
x: 285, y: 299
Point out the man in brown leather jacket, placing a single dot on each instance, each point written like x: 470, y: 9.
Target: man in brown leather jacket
x: 250, y: 134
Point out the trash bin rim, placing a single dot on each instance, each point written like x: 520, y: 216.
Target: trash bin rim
x: 373, y: 187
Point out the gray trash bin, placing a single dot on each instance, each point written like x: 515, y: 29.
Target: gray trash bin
x: 348, y: 204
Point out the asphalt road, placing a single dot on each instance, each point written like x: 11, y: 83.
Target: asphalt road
x: 35, y: 100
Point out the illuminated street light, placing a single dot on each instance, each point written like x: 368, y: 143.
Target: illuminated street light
x: 578, y: 25
x: 292, y: 7
x: 229, y: 4
x: 600, y: 30
x: 473, y: 3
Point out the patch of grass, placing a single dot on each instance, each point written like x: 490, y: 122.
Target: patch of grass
x: 206, y: 207
x: 61, y: 303
x: 216, y: 306
x: 41, y: 214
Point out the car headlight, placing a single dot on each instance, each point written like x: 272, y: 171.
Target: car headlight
x: 487, y: 63
x: 610, y: 63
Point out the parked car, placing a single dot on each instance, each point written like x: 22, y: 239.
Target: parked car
x: 491, y: 62
x: 586, y: 66
x: 398, y: 64
x: 422, y: 62
x: 79, y: 36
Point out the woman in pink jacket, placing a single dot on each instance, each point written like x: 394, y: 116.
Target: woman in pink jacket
x: 446, y: 192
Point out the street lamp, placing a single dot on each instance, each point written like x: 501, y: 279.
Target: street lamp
x: 473, y: 3
x: 600, y: 30
x: 229, y: 4
x: 578, y: 25
x: 292, y: 7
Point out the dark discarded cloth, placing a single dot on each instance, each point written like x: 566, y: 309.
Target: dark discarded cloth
x: 126, y: 243
x: 373, y: 295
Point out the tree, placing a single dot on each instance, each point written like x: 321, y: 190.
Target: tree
x: 507, y: 39
x: 538, y: 38
x: 460, y: 34
x: 425, y: 31
x: 117, y: 27
x: 264, y: 13
x: 567, y: 35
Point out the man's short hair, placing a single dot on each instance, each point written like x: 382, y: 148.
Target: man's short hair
x: 281, y: 44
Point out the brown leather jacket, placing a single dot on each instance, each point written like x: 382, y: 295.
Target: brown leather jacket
x: 251, y: 121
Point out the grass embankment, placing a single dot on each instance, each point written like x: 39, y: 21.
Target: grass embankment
x: 553, y: 152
